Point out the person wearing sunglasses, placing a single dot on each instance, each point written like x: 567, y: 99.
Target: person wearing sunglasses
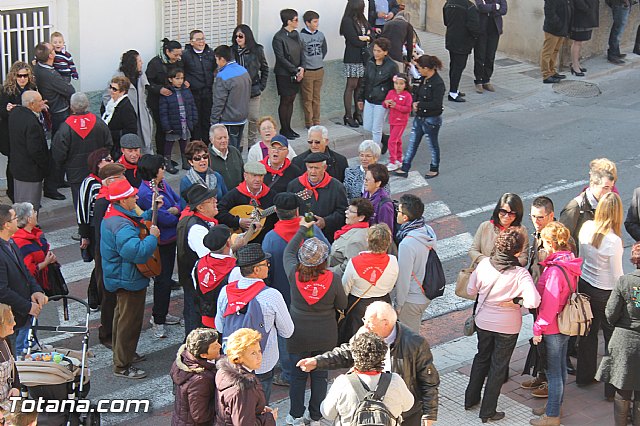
x: 200, y: 173
x: 318, y: 140
x: 119, y: 113
x: 507, y: 213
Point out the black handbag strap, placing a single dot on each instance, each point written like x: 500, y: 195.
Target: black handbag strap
x: 566, y: 277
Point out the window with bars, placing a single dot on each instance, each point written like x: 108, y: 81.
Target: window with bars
x: 216, y: 18
x: 20, y: 31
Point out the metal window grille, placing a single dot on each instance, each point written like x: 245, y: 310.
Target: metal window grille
x: 20, y: 31
x: 216, y: 18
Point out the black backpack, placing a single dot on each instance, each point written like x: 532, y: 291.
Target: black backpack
x: 371, y: 411
x: 434, y: 279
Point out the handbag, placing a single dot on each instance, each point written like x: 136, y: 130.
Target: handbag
x: 57, y: 284
x: 576, y: 317
x: 470, y: 323
x: 463, y: 280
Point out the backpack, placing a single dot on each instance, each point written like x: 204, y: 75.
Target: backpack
x: 248, y: 317
x: 434, y: 279
x: 371, y: 411
x: 395, y: 214
x: 576, y: 317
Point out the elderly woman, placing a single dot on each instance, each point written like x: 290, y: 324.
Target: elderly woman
x: 200, y: 173
x: 368, y: 153
x: 240, y: 399
x: 375, y: 180
x: 119, y: 114
x: 368, y: 277
x: 267, y: 128
x: 10, y: 383
x: 316, y: 293
x: 502, y: 286
x: 151, y: 170
x: 351, y: 239
x: 369, y: 352
x: 623, y: 312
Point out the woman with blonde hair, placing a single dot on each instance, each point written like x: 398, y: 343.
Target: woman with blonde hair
x: 601, y: 249
x: 260, y: 149
x: 558, y: 279
x: 9, y: 380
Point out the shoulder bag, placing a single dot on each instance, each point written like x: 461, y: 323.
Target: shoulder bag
x: 470, y: 322
x: 463, y: 280
x: 576, y: 316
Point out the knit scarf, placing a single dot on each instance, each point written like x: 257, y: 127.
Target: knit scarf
x: 370, y: 266
x: 210, y: 181
x: 82, y: 124
x: 407, y: 227
x: 286, y: 229
x: 503, y: 261
x: 244, y: 190
x: 346, y: 228
x: 271, y: 170
x: 313, y: 291
x: 238, y: 298
x: 304, y: 181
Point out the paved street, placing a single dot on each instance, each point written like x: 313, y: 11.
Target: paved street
x: 525, y: 138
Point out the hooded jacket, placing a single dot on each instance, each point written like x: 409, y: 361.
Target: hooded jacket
x: 195, y: 390
x: 413, y: 253
x: 554, y: 290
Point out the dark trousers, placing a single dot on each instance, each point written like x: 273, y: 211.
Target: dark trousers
x: 191, y: 317
x: 204, y: 100
x: 127, y: 325
x: 490, y: 363
x: 108, y: 302
x: 457, y: 64
x: 162, y: 283
x: 56, y: 175
x: 9, y: 181
x: 235, y: 135
x: 159, y: 134
x: 319, y: 379
x: 266, y: 381
x: 588, y: 345
x: 75, y: 193
x: 413, y: 420
x: 484, y: 54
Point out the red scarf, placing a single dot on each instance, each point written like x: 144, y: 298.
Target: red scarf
x: 127, y: 165
x: 367, y: 373
x: 346, y: 228
x: 91, y: 175
x: 273, y: 171
x: 286, y: 229
x: 104, y: 192
x: 188, y: 212
x: 82, y: 124
x: 212, y: 270
x: 113, y: 212
x: 304, y: 180
x: 370, y: 266
x: 242, y: 188
x: 497, y: 225
x: 313, y: 291
x: 238, y: 298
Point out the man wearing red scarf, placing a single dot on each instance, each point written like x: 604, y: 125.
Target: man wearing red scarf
x: 131, y: 145
x: 252, y: 192
x: 280, y: 170
x: 328, y: 201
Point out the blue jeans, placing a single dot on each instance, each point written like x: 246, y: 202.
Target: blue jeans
x: 266, y: 381
x: 319, y: 379
x: 429, y: 127
x: 556, y: 346
x: 620, y: 15
x: 284, y: 359
x: 373, y: 118
x: 235, y: 135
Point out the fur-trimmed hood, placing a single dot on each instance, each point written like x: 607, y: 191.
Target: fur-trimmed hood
x: 230, y: 375
x: 186, y: 365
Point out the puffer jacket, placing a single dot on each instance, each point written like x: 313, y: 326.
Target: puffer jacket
x: 194, y: 381
x: 411, y: 358
x: 170, y: 110
x: 378, y: 80
x: 121, y: 249
x: 239, y: 397
x: 256, y: 65
x: 198, y: 68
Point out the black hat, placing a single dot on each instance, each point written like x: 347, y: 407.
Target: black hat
x: 286, y: 201
x: 198, y: 194
x: 251, y: 254
x: 316, y: 157
x: 217, y: 237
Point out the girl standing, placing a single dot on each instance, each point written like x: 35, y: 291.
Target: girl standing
x: 399, y: 102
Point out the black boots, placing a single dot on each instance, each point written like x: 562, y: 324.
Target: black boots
x: 620, y: 410
x: 636, y: 48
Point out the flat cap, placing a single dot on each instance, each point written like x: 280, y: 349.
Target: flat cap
x: 131, y: 141
x: 255, y: 168
x: 316, y: 157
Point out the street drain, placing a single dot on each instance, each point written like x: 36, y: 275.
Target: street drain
x: 577, y: 89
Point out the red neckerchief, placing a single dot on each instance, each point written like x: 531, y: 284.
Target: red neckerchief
x: 242, y: 188
x: 367, y: 373
x: 113, y: 212
x: 127, y: 165
x: 188, y: 212
x: 346, y: 228
x: 82, y: 124
x: 238, y: 298
x: 313, y: 291
x: 91, y: 175
x: 286, y: 229
x: 212, y: 270
x: 273, y: 171
x: 500, y: 227
x: 304, y: 180
x: 370, y: 266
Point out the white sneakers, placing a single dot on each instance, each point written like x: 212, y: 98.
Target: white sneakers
x: 159, y: 331
x: 171, y: 320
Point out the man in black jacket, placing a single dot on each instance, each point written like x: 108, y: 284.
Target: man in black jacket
x: 410, y: 357
x: 463, y: 27
x: 557, y: 20
x: 381, y: 11
x: 199, y: 65
x: 318, y: 139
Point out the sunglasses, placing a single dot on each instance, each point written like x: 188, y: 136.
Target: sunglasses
x: 312, y: 142
x: 200, y: 157
x: 109, y: 159
x: 239, y: 35
x: 503, y: 212
x: 22, y: 76
x: 114, y: 89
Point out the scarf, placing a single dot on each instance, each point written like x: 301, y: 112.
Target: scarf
x: 286, y: 229
x: 264, y: 148
x: 112, y: 211
x: 103, y: 193
x: 111, y: 107
x: 497, y: 225
x: 346, y: 228
x: 244, y: 190
x: 82, y: 124
x: 370, y: 266
x: 211, y: 271
x: 182, y: 114
x: 407, y: 227
x: 503, y: 261
x: 210, y: 181
x: 313, y: 291
x: 91, y: 175
x: 188, y: 212
x: 127, y: 165
x: 304, y: 181
x: 271, y: 170
x: 238, y: 298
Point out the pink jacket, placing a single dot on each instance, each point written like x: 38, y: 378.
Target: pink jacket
x: 554, y: 290
x: 399, y: 114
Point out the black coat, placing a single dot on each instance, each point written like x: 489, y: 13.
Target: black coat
x: 256, y: 65
x: 586, y: 15
x: 27, y: 146
x: 394, y: 8
x: 156, y: 73
x: 235, y: 198
x: 400, y: 33
x: 199, y: 68
x: 489, y: 15
x: 123, y: 121
x: 287, y: 47
x: 355, y: 50
x: 429, y: 96
x: 378, y: 80
x: 336, y: 164
x: 5, y: 99
x: 463, y: 25
x: 557, y: 17
x: 632, y: 222
x: 280, y: 183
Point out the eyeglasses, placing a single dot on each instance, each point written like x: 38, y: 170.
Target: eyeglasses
x: 108, y: 158
x: 266, y: 263
x: 13, y: 218
x: 22, y: 76
x: 534, y: 217
x: 114, y: 89
x: 239, y: 35
x: 199, y: 39
x: 200, y: 157
x: 503, y: 212
x: 351, y: 211
x: 312, y: 142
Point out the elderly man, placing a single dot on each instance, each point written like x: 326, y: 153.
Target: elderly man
x: 80, y: 135
x: 199, y: 65
x: 250, y: 192
x: 131, y: 144
x: 409, y: 356
x: 328, y: 200
x: 280, y: 170
x: 28, y: 150
x: 223, y: 158
x: 318, y: 139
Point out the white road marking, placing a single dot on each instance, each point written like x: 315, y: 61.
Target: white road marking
x: 413, y: 181
x: 435, y: 210
x: 453, y: 247
x: 76, y: 271
x: 61, y: 237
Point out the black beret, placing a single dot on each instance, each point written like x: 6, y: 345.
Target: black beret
x: 286, y: 201
x: 316, y: 157
x: 217, y: 237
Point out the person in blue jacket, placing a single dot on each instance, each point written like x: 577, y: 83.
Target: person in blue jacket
x: 122, y: 249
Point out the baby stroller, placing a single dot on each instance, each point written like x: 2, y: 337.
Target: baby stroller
x: 60, y: 376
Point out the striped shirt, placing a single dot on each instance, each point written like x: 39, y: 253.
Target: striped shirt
x: 63, y: 63
x: 89, y: 189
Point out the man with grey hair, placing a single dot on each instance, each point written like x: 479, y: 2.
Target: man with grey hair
x: 318, y: 140
x: 80, y: 134
x: 225, y: 159
x: 409, y: 356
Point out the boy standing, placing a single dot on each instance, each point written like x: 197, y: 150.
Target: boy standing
x: 313, y: 53
x: 63, y: 62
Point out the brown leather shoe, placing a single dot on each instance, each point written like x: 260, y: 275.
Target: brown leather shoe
x: 479, y: 88
x: 489, y: 87
x: 532, y: 384
x: 545, y: 421
x: 541, y: 392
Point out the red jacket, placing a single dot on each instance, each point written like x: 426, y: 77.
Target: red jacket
x: 33, y: 247
x: 399, y: 114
